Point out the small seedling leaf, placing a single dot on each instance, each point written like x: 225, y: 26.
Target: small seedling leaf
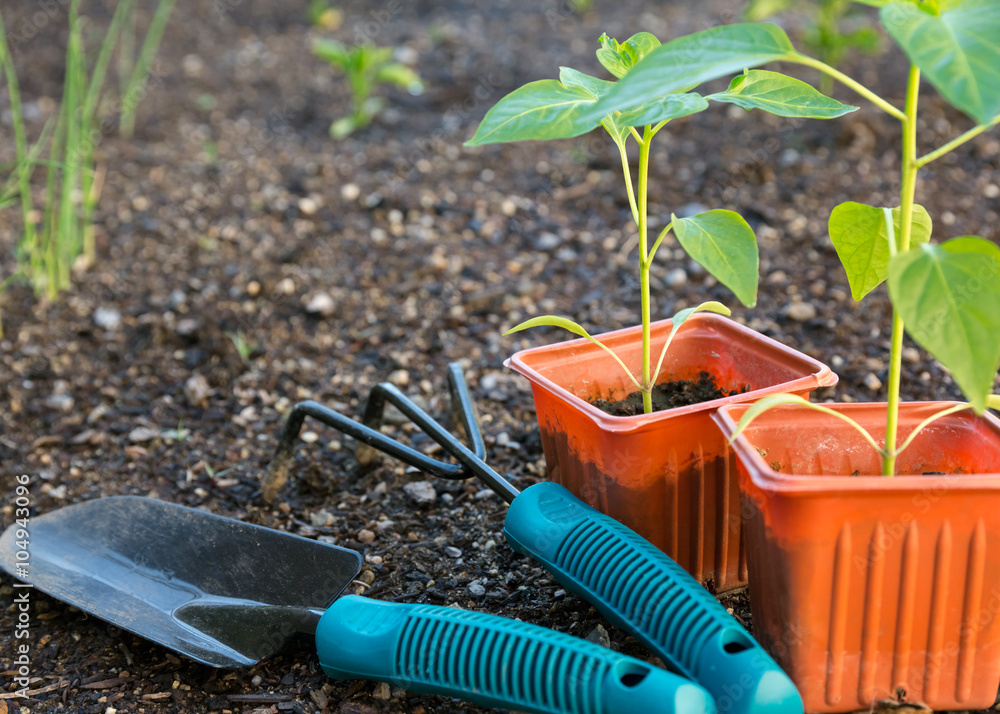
x: 858, y: 233
x: 686, y: 62
x: 679, y: 318
x: 779, y: 94
x: 619, y: 58
x: 540, y: 110
x: 948, y: 296
x: 576, y: 329
x: 993, y: 402
x: 333, y: 52
x: 551, y: 321
x: 724, y: 244
x: 957, y: 49
x: 400, y: 75
x: 778, y: 400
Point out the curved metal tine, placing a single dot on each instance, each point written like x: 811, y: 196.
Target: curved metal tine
x: 277, y: 473
x: 472, y: 463
x: 463, y: 410
x: 367, y: 454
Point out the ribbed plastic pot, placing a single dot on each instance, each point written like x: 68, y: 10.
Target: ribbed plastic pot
x: 668, y: 475
x: 862, y: 584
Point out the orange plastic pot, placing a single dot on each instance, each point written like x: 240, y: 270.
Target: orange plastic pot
x: 666, y: 475
x: 862, y: 584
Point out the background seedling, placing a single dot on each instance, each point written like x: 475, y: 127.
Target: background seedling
x: 60, y: 231
x: 834, y: 28
x: 948, y: 294
x: 720, y: 240
x: 366, y: 67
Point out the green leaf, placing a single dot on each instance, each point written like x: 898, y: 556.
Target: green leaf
x: 724, y: 244
x: 401, y: 76
x: 690, y: 60
x: 332, y: 51
x: 574, y: 78
x: 993, y: 401
x: 540, y: 110
x: 948, y: 296
x: 666, y: 108
x: 780, y: 400
x: 576, y: 329
x: 957, y: 50
x: 618, y: 59
x: 778, y: 94
x: 551, y: 321
x: 679, y: 318
x: 859, y: 235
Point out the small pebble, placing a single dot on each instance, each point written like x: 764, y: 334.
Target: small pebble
x: 310, y: 437
x: 350, y: 192
x: 873, y: 382
x: 600, y: 636
x: 321, y: 304
x: 476, y: 589
x: 308, y: 206
x: 365, y: 536
x: 452, y: 551
x: 285, y: 286
x: 421, y: 491
x: 484, y: 493
x: 197, y: 390
x: 400, y: 378
x: 676, y: 278
x: 107, y: 318
x: 547, y: 241
x: 321, y: 518
x: 801, y: 311
x: 382, y: 691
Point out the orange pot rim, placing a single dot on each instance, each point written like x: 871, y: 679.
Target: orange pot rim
x: 767, y: 479
x: 822, y: 375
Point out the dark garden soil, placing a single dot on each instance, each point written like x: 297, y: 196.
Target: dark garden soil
x: 669, y: 395
x: 233, y: 216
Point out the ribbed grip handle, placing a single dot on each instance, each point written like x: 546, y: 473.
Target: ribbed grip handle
x: 493, y: 661
x: 637, y: 587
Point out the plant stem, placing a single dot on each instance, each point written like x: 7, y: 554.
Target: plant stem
x: 909, y: 185
x: 956, y: 142
x: 846, y: 81
x: 644, y: 265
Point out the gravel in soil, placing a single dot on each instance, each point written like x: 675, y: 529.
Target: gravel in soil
x: 246, y: 262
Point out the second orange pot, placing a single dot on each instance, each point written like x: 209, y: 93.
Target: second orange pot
x: 667, y: 475
x: 864, y: 586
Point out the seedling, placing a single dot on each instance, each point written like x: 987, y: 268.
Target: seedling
x: 720, y: 240
x: 366, y: 67
x: 825, y: 34
x: 946, y: 295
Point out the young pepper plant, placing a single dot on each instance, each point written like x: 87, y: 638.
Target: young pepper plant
x: 947, y: 295
x: 366, y: 67
x: 720, y: 240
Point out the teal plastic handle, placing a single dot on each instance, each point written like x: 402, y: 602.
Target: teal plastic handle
x: 493, y: 661
x: 638, y: 588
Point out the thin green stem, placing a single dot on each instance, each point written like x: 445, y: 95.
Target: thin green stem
x: 642, y: 183
x: 846, y: 81
x: 930, y: 420
x: 154, y: 35
x: 659, y: 240
x: 909, y: 186
x: 956, y: 142
x: 627, y: 172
